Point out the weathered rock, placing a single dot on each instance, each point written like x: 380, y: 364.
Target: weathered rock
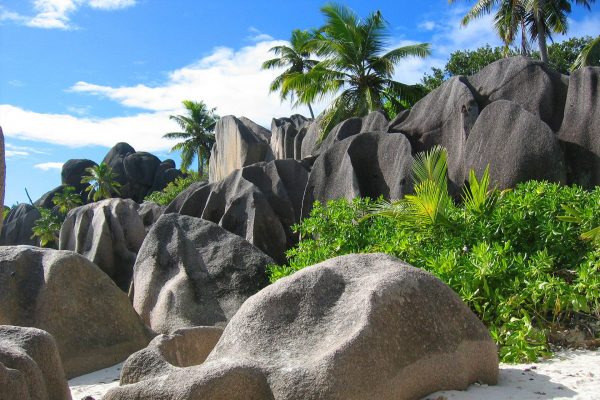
x: 259, y: 203
x: 149, y: 213
x: 167, y: 353
x: 17, y: 228
x: 444, y: 117
x: 140, y: 167
x: 238, y: 143
x: 362, y: 326
x: 109, y: 233
x: 518, y: 147
x: 114, y: 159
x: 65, y: 294
x: 73, y: 171
x: 29, y: 358
x: 165, y: 174
x: 580, y: 130
x: 191, y: 272
x: 45, y: 200
x: 287, y: 135
x: 310, y: 141
x: 529, y: 83
x: 367, y: 165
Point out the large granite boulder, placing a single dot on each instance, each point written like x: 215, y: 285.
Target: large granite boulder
x: 65, y: 294
x: 361, y: 326
x: 310, y: 140
x: 141, y: 167
x: 149, y: 212
x: 580, y: 130
x: 527, y: 82
x: 73, y: 171
x: 287, y: 135
x: 30, y: 366
x: 444, y: 117
x: 238, y: 143
x: 518, y: 147
x: 115, y: 158
x: 17, y: 228
x: 167, y: 353
x: 165, y: 174
x: 109, y: 233
x: 46, y: 200
x: 192, y: 272
x: 367, y: 165
x: 259, y: 203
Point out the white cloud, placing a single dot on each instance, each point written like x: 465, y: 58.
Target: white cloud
x: 14, y: 151
x: 55, y: 14
x: 427, y: 25
x: 47, y: 166
x: 258, y: 36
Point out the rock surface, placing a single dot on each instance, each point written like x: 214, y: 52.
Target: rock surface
x: 73, y: 171
x: 109, y: 233
x: 353, y: 327
x: 30, y: 366
x: 238, y: 143
x: 518, y: 147
x: 167, y: 353
x: 191, y: 272
x: 63, y: 293
x: 17, y: 228
x: 259, y: 203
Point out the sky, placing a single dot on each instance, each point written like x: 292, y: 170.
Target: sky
x: 78, y: 76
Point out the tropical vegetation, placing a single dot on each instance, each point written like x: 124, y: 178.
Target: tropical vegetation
x: 198, y: 127
x: 526, y: 261
x: 589, y: 55
x: 66, y: 200
x: 172, y: 190
x: 101, y: 181
x: 46, y: 227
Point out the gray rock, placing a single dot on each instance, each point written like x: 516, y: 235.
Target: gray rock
x: 149, y: 213
x: 45, y: 200
x: 140, y: 167
x: 259, y: 203
x: 73, y: 171
x: 444, y: 117
x: 114, y: 159
x: 310, y: 142
x: 191, y: 272
x: 518, y: 147
x: 238, y: 143
x: 361, y: 326
x: 168, y: 353
x: 65, y: 294
x: 529, y: 83
x: 366, y: 165
x: 287, y: 135
x: 17, y: 228
x: 109, y: 233
x: 580, y: 130
x: 29, y: 359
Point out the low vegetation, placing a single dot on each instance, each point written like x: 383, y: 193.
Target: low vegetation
x: 527, y: 260
x: 165, y: 196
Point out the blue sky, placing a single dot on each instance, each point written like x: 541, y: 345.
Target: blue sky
x: 78, y: 76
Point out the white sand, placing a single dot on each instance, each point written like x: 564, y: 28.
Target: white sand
x: 571, y: 374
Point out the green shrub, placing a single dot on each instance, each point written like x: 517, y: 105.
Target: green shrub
x: 173, y: 189
x: 513, y: 261
x: 46, y: 227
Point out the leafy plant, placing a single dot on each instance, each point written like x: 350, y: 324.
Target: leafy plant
x: 589, y: 55
x: 46, y: 227
x: 101, y: 180
x: 172, y: 190
x: 66, y: 200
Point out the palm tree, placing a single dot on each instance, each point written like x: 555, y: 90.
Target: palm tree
x: 101, y: 180
x: 589, y: 56
x: 296, y: 57
x: 354, y: 62
x: 66, y: 200
x: 198, y: 134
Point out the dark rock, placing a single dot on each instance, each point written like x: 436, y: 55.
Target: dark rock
x: 65, y: 294
x: 191, y: 272
x: 166, y: 353
x: 18, y: 225
x: 149, y: 213
x: 310, y: 142
x: 30, y: 366
x: 46, y: 200
x: 114, y: 159
x: 366, y: 165
x: 109, y: 233
x: 518, y: 147
x: 73, y: 171
x: 165, y: 174
x: 580, y: 130
x: 140, y: 167
x: 361, y: 326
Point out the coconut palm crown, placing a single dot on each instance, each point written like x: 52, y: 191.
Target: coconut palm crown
x: 102, y: 183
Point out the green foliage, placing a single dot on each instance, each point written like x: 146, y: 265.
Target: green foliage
x: 101, y: 180
x: 589, y: 54
x: 46, y: 228
x: 5, y: 212
x: 509, y: 256
x: 166, y: 196
x: 66, y: 200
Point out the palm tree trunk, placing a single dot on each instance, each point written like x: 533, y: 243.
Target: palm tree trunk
x: 312, y: 115
x: 200, y: 166
x: 524, y: 51
x: 541, y: 28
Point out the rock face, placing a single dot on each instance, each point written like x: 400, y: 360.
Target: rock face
x: 73, y: 171
x: 168, y: 353
x: 518, y: 147
x: 149, y: 212
x: 165, y: 173
x: 367, y: 165
x: 191, y: 272
x: 580, y: 130
x: 63, y: 293
x: 30, y: 366
x: 259, y: 203
x: 109, y: 233
x: 17, y: 228
x: 238, y: 143
x: 114, y: 159
x: 354, y: 327
x: 287, y: 135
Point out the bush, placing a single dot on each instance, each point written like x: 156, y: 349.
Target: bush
x: 522, y: 269
x: 46, y: 228
x: 173, y: 189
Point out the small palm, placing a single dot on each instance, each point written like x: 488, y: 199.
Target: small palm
x: 67, y: 200
x: 101, y: 180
